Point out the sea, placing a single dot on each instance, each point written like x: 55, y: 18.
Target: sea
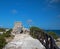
x: 56, y: 31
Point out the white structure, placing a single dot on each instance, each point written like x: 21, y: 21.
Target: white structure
x: 17, y: 28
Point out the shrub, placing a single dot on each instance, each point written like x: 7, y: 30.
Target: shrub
x: 2, y: 30
x: 53, y: 34
x: 2, y: 41
x: 35, y: 32
x: 2, y: 38
x: 8, y: 33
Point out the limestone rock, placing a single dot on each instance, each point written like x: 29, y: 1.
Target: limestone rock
x: 24, y: 41
x: 17, y: 28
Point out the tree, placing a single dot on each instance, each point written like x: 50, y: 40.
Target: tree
x: 8, y: 33
x: 53, y: 34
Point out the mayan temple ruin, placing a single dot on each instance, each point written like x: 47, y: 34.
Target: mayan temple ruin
x: 18, y: 29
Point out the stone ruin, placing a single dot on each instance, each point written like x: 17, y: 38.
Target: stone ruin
x: 18, y: 29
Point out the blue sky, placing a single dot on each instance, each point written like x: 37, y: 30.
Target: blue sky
x: 41, y: 13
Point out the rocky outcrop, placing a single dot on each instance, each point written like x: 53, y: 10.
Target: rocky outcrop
x: 24, y: 41
x: 17, y: 28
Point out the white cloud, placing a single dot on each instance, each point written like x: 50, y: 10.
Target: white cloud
x: 50, y: 3
x: 14, y: 11
x: 53, y: 1
x: 29, y: 21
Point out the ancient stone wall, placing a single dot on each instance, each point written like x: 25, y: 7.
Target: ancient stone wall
x: 17, y: 28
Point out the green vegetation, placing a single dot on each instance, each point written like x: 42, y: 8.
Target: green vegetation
x: 35, y: 32
x: 2, y: 30
x: 2, y: 41
x: 53, y: 34
x: 8, y: 33
x: 2, y: 38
